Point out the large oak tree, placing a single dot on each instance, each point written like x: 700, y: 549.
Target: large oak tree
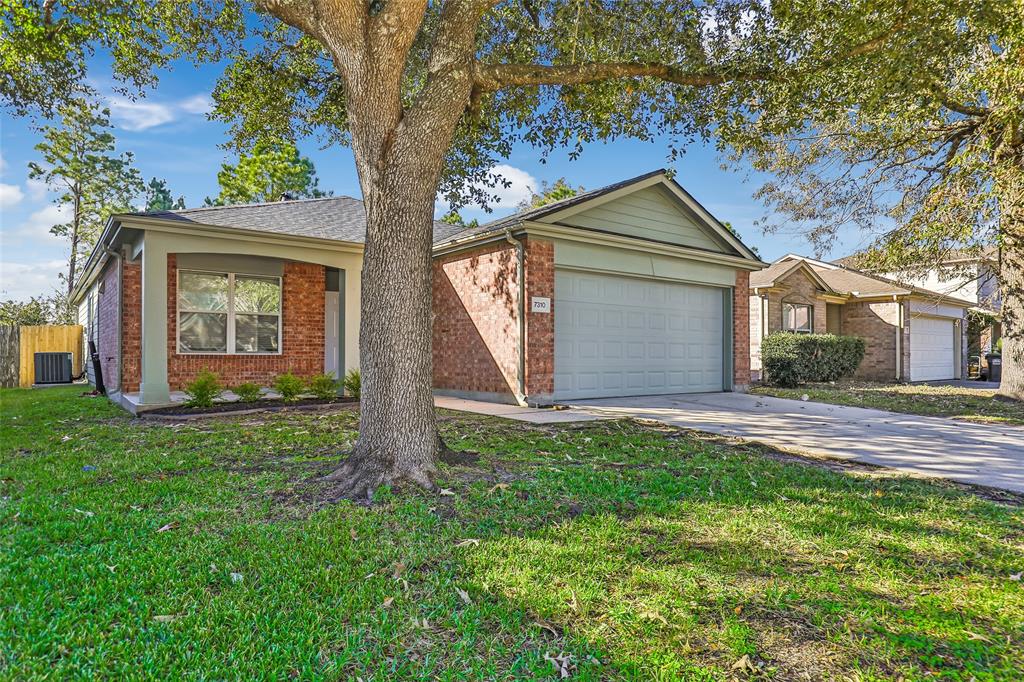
x: 429, y: 95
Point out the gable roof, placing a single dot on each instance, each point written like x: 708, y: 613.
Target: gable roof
x: 550, y: 212
x: 987, y: 253
x: 781, y: 269
x: 841, y: 279
x: 339, y: 218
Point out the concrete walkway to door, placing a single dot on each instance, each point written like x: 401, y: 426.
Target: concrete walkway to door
x: 979, y: 454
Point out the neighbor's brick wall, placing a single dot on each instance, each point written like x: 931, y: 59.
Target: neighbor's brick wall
x: 302, y: 342
x: 476, y: 324
x: 540, y: 327
x: 131, y: 331
x: 796, y: 288
x: 876, y: 323
x: 741, y: 331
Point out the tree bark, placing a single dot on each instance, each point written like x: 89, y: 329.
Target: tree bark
x: 1009, y: 187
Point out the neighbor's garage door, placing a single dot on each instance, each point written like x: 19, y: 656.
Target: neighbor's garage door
x: 931, y: 348
x: 622, y: 336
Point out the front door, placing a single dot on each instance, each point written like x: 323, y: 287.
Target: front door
x: 332, y: 332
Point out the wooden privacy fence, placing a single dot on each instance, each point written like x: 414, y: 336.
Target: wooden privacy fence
x: 9, y: 356
x: 46, y: 338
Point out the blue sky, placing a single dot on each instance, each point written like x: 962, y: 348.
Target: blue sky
x: 171, y: 138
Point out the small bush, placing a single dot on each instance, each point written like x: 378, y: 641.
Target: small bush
x: 324, y: 386
x: 352, y: 383
x: 248, y: 392
x: 203, y: 390
x: 289, y: 386
x: 790, y: 359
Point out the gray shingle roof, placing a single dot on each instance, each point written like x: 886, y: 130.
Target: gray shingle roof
x: 339, y: 218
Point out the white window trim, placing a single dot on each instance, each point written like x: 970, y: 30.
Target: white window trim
x: 810, y: 317
x: 230, y: 312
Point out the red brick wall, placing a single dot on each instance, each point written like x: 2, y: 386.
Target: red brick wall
x: 741, y: 331
x: 131, y: 331
x: 302, y: 334
x: 876, y: 323
x: 476, y: 325
x: 476, y: 321
x: 106, y: 324
x: 540, y: 327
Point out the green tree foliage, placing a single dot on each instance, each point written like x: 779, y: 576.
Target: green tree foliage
x: 91, y: 181
x: 272, y: 171
x: 37, y: 310
x: 550, y: 193
x: 159, y: 198
x: 455, y: 218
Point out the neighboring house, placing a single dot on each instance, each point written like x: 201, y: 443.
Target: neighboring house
x: 968, y: 277
x: 631, y: 289
x: 910, y: 333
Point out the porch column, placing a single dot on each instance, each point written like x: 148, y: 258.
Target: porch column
x: 154, y: 388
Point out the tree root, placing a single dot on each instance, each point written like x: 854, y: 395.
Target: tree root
x: 366, y: 470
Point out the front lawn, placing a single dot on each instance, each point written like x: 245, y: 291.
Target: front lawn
x: 610, y: 550
x: 968, y: 404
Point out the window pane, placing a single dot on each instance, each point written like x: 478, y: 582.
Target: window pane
x: 803, y: 317
x: 203, y: 291
x: 796, y: 317
x: 256, y: 333
x: 203, y: 332
x: 257, y: 295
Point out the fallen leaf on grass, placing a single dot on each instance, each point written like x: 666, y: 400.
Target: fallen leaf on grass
x: 653, y: 615
x: 1016, y: 577
x: 399, y: 569
x: 464, y: 596
x: 352, y: 534
x: 744, y: 664
x: 84, y: 512
x: 976, y: 637
x: 167, y: 526
x: 237, y: 577
x: 467, y: 542
x: 168, y: 618
x: 497, y: 487
x: 387, y: 602
x: 447, y: 492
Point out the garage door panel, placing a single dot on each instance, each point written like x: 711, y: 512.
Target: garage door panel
x: 932, y: 349
x: 651, y: 337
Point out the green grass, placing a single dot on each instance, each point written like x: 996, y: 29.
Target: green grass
x: 621, y: 550
x: 968, y: 404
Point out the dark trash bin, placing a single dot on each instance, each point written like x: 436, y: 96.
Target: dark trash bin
x: 995, y: 367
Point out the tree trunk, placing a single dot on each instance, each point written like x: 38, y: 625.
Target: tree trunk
x: 1009, y: 187
x: 398, y: 441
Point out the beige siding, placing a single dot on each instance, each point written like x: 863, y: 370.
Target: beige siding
x: 648, y: 214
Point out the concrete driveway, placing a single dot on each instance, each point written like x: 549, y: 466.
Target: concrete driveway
x: 931, y: 446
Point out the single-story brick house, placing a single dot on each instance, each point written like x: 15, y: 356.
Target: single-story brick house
x: 910, y: 333
x: 627, y: 290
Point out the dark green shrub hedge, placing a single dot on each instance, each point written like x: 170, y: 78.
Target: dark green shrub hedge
x: 789, y: 359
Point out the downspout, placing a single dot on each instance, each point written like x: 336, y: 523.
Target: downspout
x: 120, y: 311
x: 899, y: 338
x: 521, y: 305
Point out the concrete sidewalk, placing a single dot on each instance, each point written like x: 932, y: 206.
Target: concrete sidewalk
x: 980, y: 454
x: 524, y: 414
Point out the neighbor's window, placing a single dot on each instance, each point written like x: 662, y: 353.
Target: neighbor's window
x: 228, y: 313
x: 797, y: 317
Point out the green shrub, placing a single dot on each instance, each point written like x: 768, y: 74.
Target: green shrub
x: 289, y: 386
x: 789, y: 359
x: 352, y: 383
x: 203, y: 390
x: 248, y: 392
x: 999, y: 346
x: 324, y: 386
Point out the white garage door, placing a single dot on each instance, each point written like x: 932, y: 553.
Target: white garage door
x: 931, y: 349
x: 622, y: 336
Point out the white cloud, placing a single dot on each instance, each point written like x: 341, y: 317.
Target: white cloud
x: 39, y: 222
x: 197, y: 104
x: 37, y: 189
x: 10, y: 195
x: 521, y: 188
x: 20, y: 281
x: 135, y: 116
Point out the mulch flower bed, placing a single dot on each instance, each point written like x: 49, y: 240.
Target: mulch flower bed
x: 257, y: 406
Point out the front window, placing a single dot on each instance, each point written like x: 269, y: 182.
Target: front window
x: 228, y: 313
x: 797, y: 317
